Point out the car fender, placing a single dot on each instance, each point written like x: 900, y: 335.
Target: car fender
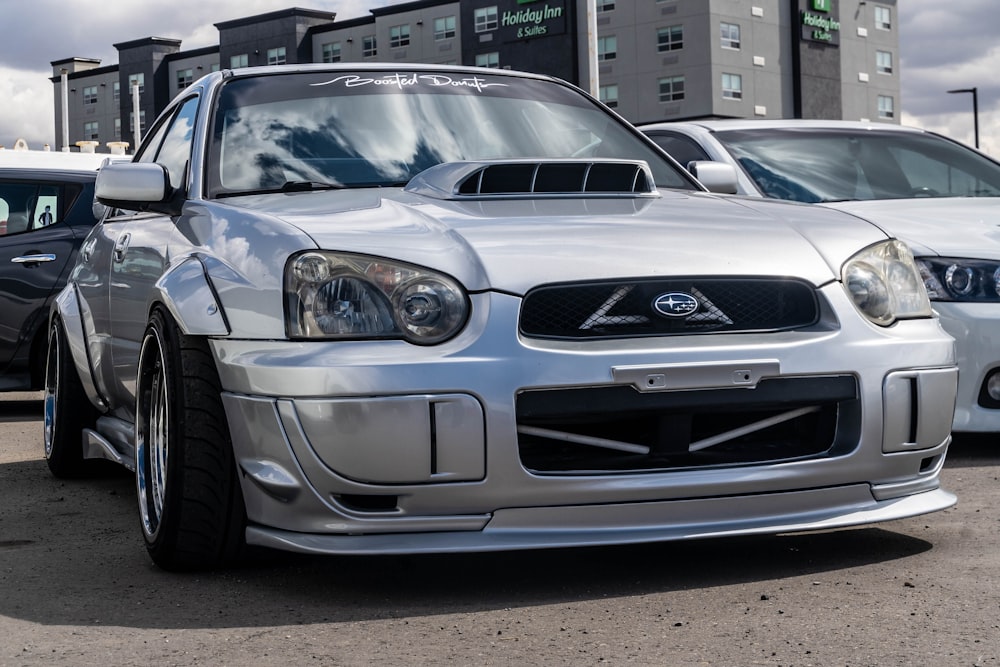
x: 188, y: 295
x: 67, y: 307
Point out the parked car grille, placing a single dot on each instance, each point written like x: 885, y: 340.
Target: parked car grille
x: 618, y: 429
x: 625, y: 308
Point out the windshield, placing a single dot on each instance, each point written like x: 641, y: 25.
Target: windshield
x: 359, y: 129
x: 821, y: 165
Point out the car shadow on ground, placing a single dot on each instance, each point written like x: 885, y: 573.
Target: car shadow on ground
x: 71, y: 554
x: 974, y: 449
x: 21, y: 410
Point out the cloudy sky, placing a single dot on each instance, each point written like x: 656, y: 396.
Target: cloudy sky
x: 944, y: 45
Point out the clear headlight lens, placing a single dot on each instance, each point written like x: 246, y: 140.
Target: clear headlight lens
x: 885, y: 283
x: 952, y: 279
x: 338, y: 295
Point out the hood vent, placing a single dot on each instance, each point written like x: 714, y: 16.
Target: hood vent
x: 532, y: 178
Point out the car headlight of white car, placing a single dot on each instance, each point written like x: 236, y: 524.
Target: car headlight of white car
x: 954, y: 279
x: 331, y: 295
x: 885, y: 283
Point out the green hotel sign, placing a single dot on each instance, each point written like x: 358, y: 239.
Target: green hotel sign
x: 819, y: 24
x: 534, y: 20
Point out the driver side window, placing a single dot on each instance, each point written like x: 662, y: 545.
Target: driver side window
x: 171, y: 142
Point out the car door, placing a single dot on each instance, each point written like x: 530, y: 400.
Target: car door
x: 140, y: 252
x: 35, y: 247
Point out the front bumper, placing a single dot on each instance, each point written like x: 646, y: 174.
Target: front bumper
x: 976, y: 330
x: 387, y: 447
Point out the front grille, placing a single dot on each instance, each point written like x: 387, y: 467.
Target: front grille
x: 618, y: 429
x: 625, y: 308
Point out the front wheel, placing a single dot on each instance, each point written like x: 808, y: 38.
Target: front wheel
x: 190, y: 502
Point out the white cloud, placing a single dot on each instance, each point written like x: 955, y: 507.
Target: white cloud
x: 30, y: 113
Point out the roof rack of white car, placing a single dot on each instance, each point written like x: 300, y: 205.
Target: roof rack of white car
x: 34, y: 159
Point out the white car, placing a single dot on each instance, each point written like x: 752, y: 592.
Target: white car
x: 369, y: 309
x: 939, y: 196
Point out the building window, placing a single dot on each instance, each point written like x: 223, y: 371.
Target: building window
x: 670, y: 39
x: 116, y: 90
x: 605, y: 5
x: 491, y: 59
x: 885, y: 107
x: 118, y: 128
x: 185, y: 77
x: 89, y: 95
x: 732, y: 86
x: 90, y: 131
x: 241, y: 60
x: 137, y: 78
x: 883, y: 62
x: 671, y: 89
x: 730, y: 35
x: 331, y: 52
x: 609, y: 95
x: 399, y: 35
x: 883, y: 18
x: 276, y: 56
x: 607, y: 47
x: 444, y: 28
x: 369, y: 47
x: 486, y: 19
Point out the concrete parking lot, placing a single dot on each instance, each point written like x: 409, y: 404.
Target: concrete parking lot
x: 76, y: 588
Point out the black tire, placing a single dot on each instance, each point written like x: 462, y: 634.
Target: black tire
x: 67, y: 410
x: 190, y: 502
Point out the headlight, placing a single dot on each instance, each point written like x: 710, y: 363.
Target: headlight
x: 885, y: 284
x: 343, y: 296
x: 950, y: 279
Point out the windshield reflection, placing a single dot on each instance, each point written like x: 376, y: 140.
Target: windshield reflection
x: 839, y: 165
x: 269, y: 137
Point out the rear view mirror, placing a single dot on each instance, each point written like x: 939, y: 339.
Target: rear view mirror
x: 716, y: 176
x: 134, y: 186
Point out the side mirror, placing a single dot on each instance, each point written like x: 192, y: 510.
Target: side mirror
x: 716, y: 176
x: 134, y: 186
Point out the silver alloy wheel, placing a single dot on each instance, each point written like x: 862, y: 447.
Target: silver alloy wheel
x: 152, y: 435
x: 51, y: 388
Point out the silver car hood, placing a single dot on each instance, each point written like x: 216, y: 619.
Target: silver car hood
x: 949, y: 227
x: 516, y: 243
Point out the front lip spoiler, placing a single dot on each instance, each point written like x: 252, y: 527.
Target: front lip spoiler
x: 629, y: 523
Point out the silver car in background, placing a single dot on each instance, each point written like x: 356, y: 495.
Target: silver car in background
x: 348, y: 309
x: 939, y: 196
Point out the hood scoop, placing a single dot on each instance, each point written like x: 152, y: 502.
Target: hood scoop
x: 520, y: 179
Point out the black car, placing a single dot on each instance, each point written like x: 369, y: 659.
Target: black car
x: 46, y: 210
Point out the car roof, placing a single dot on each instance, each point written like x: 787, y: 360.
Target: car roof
x: 795, y: 123
x: 52, y: 160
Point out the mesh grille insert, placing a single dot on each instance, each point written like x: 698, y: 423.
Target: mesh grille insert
x: 626, y: 308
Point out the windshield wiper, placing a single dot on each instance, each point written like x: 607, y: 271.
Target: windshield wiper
x: 305, y: 186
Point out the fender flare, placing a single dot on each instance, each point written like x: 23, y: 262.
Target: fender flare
x: 67, y: 307
x: 188, y: 295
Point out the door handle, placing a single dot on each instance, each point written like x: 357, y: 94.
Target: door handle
x: 32, y: 259
x: 121, y: 246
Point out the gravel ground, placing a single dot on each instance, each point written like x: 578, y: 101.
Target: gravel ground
x: 77, y: 589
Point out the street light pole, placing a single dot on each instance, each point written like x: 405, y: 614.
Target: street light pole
x: 975, y: 108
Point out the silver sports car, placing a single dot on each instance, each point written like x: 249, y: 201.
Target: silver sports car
x: 377, y: 310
